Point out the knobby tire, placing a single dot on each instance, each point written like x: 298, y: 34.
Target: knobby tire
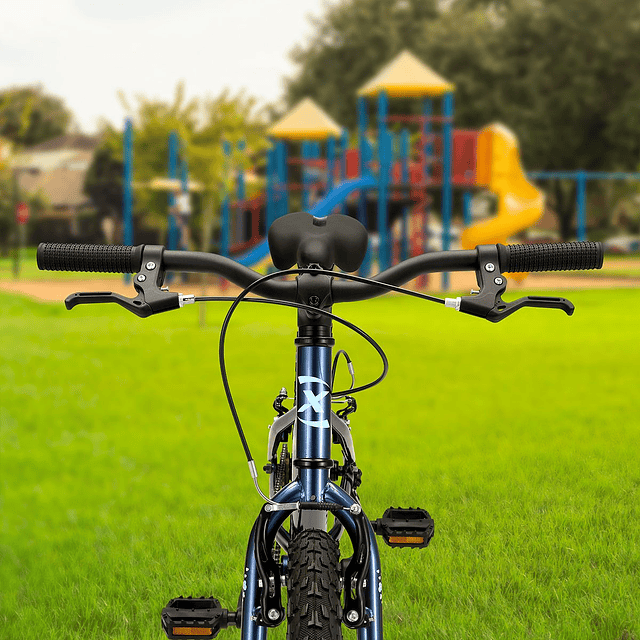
x: 314, y: 611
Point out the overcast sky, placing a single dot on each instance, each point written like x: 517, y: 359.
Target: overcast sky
x: 86, y: 50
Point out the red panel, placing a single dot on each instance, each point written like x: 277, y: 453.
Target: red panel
x: 465, y: 145
x: 433, y: 163
x: 396, y: 172
x: 353, y: 163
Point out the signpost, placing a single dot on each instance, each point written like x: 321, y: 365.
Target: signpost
x: 22, y: 217
x: 22, y: 213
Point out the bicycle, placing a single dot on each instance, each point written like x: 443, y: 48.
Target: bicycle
x: 324, y: 591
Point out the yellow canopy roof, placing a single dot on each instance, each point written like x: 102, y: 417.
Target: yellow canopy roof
x: 169, y: 184
x: 407, y: 77
x: 306, y: 121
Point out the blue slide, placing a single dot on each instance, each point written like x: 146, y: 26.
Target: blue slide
x: 323, y: 208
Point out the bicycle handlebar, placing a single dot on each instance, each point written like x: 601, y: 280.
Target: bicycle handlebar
x: 485, y: 260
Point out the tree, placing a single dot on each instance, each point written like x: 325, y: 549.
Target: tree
x: 561, y: 73
x: 103, y: 181
x: 29, y: 116
x: 351, y: 42
x: 202, y: 126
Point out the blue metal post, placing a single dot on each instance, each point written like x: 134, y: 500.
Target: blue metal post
x: 270, y: 184
x: 305, y: 176
x: 172, y: 234
x: 331, y: 162
x: 362, y: 145
x: 314, y: 151
x: 384, y: 158
x: 280, y: 186
x: 344, y: 145
x: 127, y: 203
x: 467, y: 196
x: 283, y: 194
x: 225, y: 221
x: 240, y: 199
x: 447, y: 194
x: 581, y: 202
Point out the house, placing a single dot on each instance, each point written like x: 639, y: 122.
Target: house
x: 56, y: 170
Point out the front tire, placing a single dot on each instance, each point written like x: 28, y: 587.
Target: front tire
x: 313, y: 586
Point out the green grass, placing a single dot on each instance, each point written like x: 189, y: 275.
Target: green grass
x: 123, y: 483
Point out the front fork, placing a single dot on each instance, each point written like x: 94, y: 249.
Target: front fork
x: 251, y: 629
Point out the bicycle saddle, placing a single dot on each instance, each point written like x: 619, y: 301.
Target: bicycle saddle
x: 299, y: 238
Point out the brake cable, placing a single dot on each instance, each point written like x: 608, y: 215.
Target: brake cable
x: 334, y: 368
x: 241, y: 297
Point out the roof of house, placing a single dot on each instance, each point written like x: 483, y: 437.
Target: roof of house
x: 407, y: 77
x: 305, y: 121
x: 78, y: 141
x: 62, y: 184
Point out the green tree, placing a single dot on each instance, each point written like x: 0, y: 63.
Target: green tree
x: 202, y: 126
x: 29, y: 116
x: 561, y: 73
x: 350, y: 44
x: 104, y: 179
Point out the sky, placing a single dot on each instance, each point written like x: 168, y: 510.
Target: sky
x: 85, y: 51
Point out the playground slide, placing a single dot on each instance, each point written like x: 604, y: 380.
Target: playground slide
x: 260, y: 252
x: 520, y: 203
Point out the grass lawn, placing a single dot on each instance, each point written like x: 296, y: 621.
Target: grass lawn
x: 123, y: 483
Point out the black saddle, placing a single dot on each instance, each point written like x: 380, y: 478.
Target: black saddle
x: 299, y: 238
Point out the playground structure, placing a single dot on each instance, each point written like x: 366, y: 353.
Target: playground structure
x: 391, y: 174
x: 400, y: 166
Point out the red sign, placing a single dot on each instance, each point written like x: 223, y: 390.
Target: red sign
x: 22, y: 213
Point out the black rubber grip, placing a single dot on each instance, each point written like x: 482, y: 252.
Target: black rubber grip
x: 568, y: 256
x: 103, y: 258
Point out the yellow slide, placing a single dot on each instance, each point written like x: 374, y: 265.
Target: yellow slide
x: 520, y: 204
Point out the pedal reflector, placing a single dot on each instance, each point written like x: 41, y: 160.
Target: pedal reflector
x: 406, y: 540
x: 192, y: 631
x: 405, y: 527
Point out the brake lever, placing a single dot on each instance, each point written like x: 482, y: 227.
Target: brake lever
x: 488, y: 302
x: 147, y: 282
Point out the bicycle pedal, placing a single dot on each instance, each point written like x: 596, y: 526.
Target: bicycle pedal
x: 196, y: 618
x: 400, y: 527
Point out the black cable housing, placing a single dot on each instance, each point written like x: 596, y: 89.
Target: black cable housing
x: 334, y: 367
x: 242, y: 296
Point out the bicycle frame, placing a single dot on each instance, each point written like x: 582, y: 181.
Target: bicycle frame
x: 312, y: 438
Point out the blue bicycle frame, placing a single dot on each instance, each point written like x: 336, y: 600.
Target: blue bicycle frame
x: 312, y: 438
